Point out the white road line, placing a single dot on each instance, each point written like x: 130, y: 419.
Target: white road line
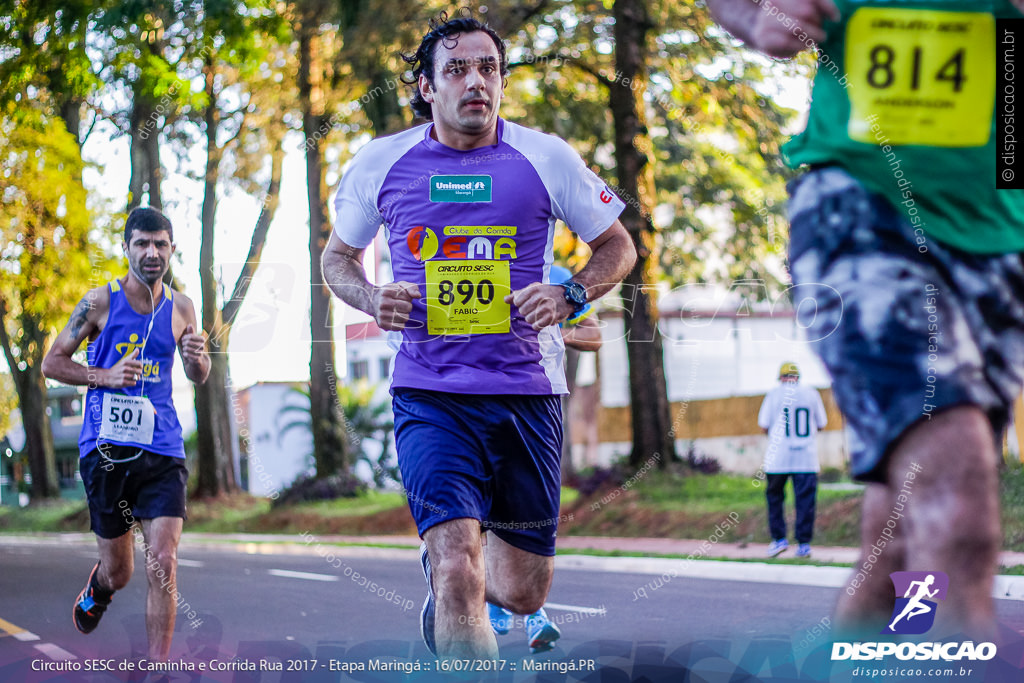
x: 1005, y: 588
x: 54, y: 652
x: 574, y: 608
x: 190, y: 563
x: 18, y: 632
x: 301, y: 575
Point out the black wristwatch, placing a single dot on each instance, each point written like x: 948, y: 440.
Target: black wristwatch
x: 575, y: 294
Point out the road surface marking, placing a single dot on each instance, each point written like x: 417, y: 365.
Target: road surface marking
x: 18, y: 632
x: 302, y: 575
x: 190, y: 563
x: 574, y: 608
x: 54, y: 652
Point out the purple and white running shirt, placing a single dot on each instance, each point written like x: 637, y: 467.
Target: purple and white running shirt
x: 469, y: 227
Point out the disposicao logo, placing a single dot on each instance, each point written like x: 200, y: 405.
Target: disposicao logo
x: 914, y: 613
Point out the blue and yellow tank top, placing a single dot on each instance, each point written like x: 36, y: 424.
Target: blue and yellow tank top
x: 142, y: 416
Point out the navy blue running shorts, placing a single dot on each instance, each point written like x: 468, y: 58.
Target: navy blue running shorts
x: 494, y: 458
x: 907, y: 326
x: 147, y: 487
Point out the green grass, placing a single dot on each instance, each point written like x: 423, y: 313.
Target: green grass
x: 368, y: 503
x: 593, y: 552
x: 709, y: 494
x: 1011, y: 485
x: 660, y: 504
x: 568, y: 496
x: 48, y: 517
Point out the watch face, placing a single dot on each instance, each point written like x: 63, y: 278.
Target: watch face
x: 575, y: 293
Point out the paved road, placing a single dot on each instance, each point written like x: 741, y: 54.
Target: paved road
x: 358, y: 606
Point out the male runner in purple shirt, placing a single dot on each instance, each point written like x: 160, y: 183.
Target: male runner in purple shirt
x: 469, y: 203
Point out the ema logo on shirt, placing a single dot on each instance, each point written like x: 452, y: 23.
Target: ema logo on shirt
x: 460, y: 188
x: 914, y: 613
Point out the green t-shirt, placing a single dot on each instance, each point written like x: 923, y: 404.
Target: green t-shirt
x: 916, y: 120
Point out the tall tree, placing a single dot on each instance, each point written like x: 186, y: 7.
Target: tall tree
x: 331, y: 450
x: 242, y: 118
x: 45, y: 79
x: 144, y: 45
x: 45, y: 266
x: 648, y: 393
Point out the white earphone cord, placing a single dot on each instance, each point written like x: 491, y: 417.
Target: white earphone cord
x: 142, y: 350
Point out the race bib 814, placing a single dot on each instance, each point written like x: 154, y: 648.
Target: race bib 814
x: 923, y: 77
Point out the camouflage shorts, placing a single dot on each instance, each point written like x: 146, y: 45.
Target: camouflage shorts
x: 905, y: 325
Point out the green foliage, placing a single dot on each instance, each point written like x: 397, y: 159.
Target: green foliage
x: 714, y: 127
x: 8, y: 402
x: 364, y: 417
x: 45, y: 230
x: 43, y: 55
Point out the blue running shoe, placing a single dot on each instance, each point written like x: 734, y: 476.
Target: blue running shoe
x: 777, y: 547
x: 541, y: 634
x: 501, y: 619
x: 427, y: 613
x: 90, y: 604
x: 804, y: 550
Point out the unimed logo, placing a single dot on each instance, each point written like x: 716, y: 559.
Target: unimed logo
x: 914, y: 613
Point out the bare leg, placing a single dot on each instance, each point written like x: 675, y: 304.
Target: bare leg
x: 947, y: 470
x: 461, y: 626
x: 866, y: 603
x: 517, y: 580
x: 162, y: 535
x: 953, y: 513
x: 117, y: 561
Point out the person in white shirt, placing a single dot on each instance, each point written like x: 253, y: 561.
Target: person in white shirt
x: 791, y: 415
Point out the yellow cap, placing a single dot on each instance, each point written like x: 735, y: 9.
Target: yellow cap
x: 789, y: 370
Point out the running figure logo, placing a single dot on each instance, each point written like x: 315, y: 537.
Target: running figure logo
x: 914, y: 613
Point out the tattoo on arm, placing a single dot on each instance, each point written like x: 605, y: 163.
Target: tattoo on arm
x: 79, y: 317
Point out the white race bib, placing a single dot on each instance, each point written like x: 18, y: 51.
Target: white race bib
x: 127, y: 418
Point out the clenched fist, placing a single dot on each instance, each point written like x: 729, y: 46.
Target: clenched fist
x: 392, y: 304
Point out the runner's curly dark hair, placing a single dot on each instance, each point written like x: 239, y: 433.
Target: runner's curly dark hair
x: 422, y: 61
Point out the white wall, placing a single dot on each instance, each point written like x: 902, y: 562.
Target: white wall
x: 275, y: 462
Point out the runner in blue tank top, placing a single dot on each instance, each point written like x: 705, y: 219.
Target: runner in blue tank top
x: 469, y: 202
x: 132, y: 455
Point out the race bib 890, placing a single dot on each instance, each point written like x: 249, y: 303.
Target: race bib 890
x: 923, y: 77
x: 468, y: 296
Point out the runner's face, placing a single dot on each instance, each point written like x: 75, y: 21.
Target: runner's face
x: 467, y: 84
x: 149, y: 254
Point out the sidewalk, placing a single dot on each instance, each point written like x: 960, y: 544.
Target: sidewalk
x: 639, y: 547
x: 628, y: 546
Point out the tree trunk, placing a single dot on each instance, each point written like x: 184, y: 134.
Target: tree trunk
x: 31, y: 387
x: 330, y: 447
x: 648, y: 391
x: 216, y: 443
x: 572, y: 364
x: 146, y: 173
x: 216, y: 464
x: 42, y: 462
